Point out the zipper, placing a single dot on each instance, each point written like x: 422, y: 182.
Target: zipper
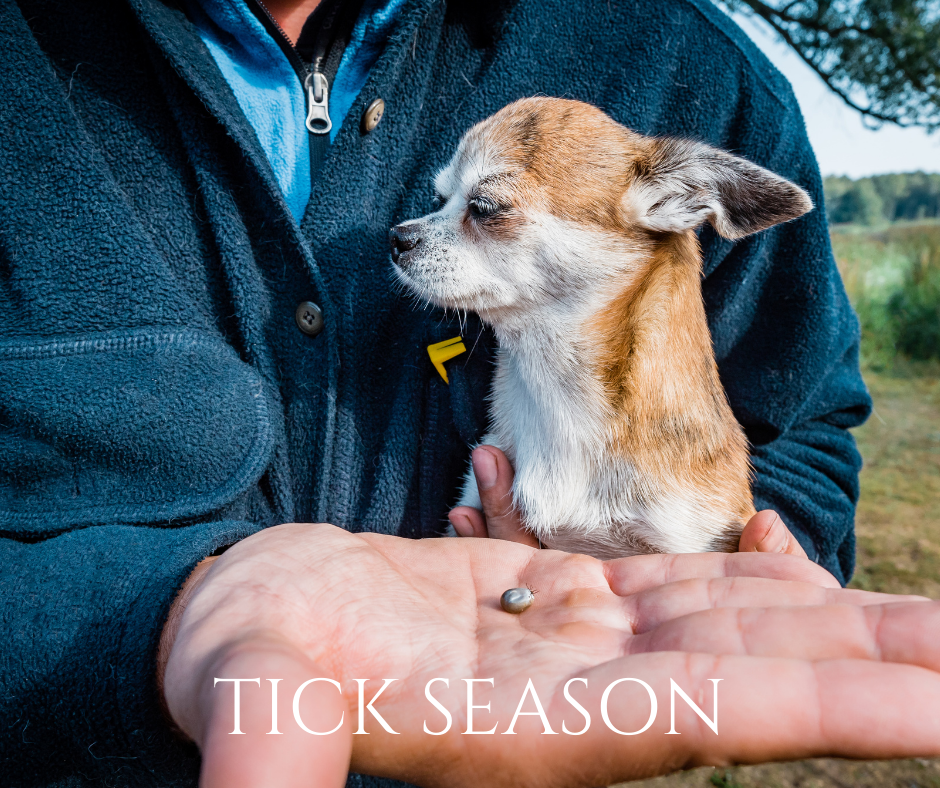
x: 315, y: 83
x: 318, y: 103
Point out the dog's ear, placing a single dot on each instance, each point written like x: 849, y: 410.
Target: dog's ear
x: 679, y: 184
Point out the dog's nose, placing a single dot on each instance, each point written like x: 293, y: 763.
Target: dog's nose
x: 402, y: 239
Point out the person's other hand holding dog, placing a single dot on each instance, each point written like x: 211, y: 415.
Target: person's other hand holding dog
x: 764, y: 533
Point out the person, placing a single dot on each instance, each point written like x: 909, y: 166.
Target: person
x: 201, y: 342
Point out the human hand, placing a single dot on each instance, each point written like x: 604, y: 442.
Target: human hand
x: 805, y: 670
x: 765, y: 532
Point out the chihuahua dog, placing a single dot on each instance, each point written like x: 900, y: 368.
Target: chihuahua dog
x: 573, y: 237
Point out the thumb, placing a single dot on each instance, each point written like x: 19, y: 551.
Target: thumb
x: 494, y: 475
x: 254, y: 752
x: 766, y: 533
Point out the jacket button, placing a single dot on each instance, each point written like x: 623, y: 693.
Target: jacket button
x: 372, y: 115
x: 309, y: 318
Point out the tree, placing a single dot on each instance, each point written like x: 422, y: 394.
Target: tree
x: 881, y: 57
x: 895, y: 196
x: 860, y: 204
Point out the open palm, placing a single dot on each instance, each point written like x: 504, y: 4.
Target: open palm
x: 805, y: 669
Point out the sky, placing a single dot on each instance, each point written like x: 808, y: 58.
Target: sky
x: 843, y: 145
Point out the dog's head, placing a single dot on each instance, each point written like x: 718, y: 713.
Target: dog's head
x: 550, y: 197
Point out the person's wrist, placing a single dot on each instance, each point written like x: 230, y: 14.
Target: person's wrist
x: 173, y: 620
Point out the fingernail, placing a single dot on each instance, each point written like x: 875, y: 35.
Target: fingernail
x: 775, y: 540
x: 462, y: 524
x: 484, y: 467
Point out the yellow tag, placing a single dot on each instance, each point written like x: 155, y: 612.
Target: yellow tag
x: 445, y: 351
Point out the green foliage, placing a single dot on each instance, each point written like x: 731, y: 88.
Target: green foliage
x: 914, y: 310
x: 860, y: 203
x: 723, y: 780
x: 882, y: 57
x: 883, y: 198
x: 893, y: 280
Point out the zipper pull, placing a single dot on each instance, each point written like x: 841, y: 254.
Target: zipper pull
x: 318, y: 103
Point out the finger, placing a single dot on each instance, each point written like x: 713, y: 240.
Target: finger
x: 653, y: 619
x: 258, y: 756
x: 765, y: 532
x: 768, y: 710
x: 834, y: 631
x: 494, y: 477
x: 764, y: 710
x: 637, y: 573
x: 468, y: 521
x: 672, y: 601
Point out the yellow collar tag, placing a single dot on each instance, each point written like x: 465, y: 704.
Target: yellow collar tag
x: 445, y: 351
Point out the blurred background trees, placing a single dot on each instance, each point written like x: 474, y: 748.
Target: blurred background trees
x: 883, y: 198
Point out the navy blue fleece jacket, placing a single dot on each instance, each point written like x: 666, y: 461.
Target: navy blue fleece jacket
x: 158, y: 402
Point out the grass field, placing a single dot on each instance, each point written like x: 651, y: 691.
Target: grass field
x: 898, y: 521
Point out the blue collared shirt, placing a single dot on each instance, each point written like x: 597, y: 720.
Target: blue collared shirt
x: 268, y: 90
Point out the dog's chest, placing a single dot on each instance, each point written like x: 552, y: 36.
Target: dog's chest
x: 548, y: 420
x: 573, y: 491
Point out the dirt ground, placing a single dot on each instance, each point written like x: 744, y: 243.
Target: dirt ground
x: 818, y: 773
x: 898, y: 527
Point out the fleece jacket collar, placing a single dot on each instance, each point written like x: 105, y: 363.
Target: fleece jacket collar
x: 393, y: 25
x: 266, y: 88
x: 270, y: 92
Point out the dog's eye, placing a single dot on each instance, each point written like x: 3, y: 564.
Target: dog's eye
x: 438, y: 201
x: 480, y: 207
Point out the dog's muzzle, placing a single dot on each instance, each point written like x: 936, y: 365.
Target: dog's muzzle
x: 403, y: 239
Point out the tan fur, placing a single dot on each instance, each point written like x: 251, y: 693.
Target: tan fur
x: 653, y: 352
x: 574, y: 162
